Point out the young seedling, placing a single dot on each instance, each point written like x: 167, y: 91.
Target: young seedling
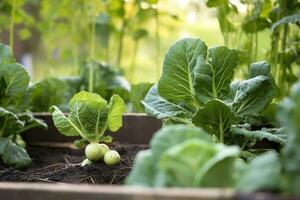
x: 90, y: 116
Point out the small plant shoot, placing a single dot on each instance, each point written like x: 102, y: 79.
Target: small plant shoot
x: 90, y: 116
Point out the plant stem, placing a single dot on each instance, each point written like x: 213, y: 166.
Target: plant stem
x: 3, y: 127
x: 121, y: 40
x: 93, y: 33
x: 282, y: 66
x: 157, y: 43
x: 92, y: 56
x: 133, y: 62
x: 11, y: 29
x: 221, y: 129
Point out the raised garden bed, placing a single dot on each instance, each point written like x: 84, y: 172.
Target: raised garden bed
x: 56, y: 161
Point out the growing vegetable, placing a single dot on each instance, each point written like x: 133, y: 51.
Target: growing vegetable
x: 90, y: 116
x: 196, y: 88
x: 112, y: 157
x: 14, y: 120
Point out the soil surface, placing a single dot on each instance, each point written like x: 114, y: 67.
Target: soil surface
x: 54, y: 165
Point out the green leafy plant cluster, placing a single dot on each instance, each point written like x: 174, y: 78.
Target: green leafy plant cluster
x: 241, y: 28
x: 197, y: 88
x: 182, y: 156
x: 14, y: 119
x: 90, y: 116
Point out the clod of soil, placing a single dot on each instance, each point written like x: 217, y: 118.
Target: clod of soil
x: 54, y: 165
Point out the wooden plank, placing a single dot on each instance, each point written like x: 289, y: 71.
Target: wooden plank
x: 38, y: 191
x: 137, y: 129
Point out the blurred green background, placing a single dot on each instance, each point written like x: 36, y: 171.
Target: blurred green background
x: 58, y: 34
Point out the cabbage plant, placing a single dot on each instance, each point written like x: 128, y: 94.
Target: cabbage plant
x: 90, y: 116
x: 14, y: 117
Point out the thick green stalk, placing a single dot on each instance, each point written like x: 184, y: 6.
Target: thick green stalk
x: 11, y: 29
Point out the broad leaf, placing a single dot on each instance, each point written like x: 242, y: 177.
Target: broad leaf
x: 9, y: 123
x: 5, y: 55
x: 177, y: 80
x: 253, y: 95
x: 14, y: 82
x: 258, y: 135
x: 53, y: 88
x: 172, y: 135
x: 30, y: 122
x: 63, y: 123
x: 159, y: 107
x: 260, y: 68
x: 88, y: 111
x: 116, y: 109
x: 14, y: 155
x: 262, y: 173
x: 196, y: 163
x: 213, y: 78
x: 215, y: 116
x: 286, y: 20
x: 288, y: 115
x: 137, y: 94
x: 143, y: 172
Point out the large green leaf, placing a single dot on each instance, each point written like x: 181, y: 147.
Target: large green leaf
x: 48, y: 92
x: 215, y: 116
x: 14, y: 82
x: 30, y: 122
x: 9, y: 123
x: 172, y: 135
x: 253, y: 95
x: 63, y: 123
x: 288, y: 115
x: 159, y: 107
x: 287, y: 19
x: 177, y: 80
x: 213, y: 78
x: 262, y: 173
x: 137, y: 94
x: 13, y: 155
x: 116, y: 109
x: 196, y: 163
x: 143, y: 172
x: 89, y: 111
x: 5, y: 55
x: 258, y: 135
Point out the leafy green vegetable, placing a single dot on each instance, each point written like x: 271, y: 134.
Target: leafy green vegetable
x: 161, y: 108
x: 177, y: 80
x: 106, y: 81
x: 14, y: 121
x: 263, y: 172
x: 288, y: 116
x: 183, y: 156
x: 137, y: 94
x: 196, y: 88
x: 14, y: 79
x: 215, y: 116
x: 57, y: 90
x: 13, y: 155
x: 90, y: 116
x: 253, y: 95
x: 196, y: 163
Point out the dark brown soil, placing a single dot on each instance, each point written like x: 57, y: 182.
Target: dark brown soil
x: 53, y: 165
